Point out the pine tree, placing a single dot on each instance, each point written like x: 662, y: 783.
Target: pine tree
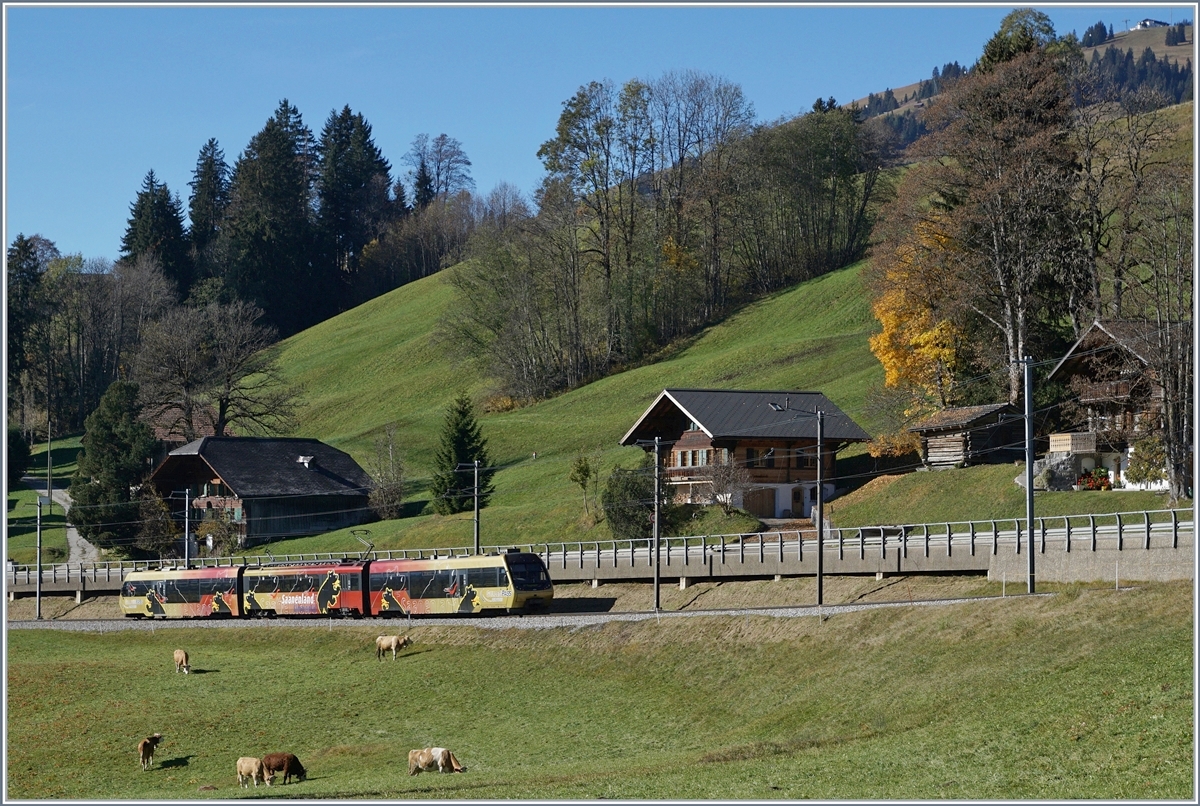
x: 462, y: 444
x: 156, y: 228
x: 117, y: 447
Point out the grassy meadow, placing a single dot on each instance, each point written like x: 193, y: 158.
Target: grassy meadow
x: 382, y: 363
x: 1086, y: 693
x: 21, y: 517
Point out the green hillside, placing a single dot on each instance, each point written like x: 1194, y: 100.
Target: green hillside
x: 380, y: 363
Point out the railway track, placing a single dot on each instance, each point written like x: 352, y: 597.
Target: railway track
x: 528, y: 622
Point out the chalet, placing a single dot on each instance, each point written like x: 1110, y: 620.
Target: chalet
x: 268, y: 487
x: 1114, y: 393
x: 971, y: 435
x: 773, y: 434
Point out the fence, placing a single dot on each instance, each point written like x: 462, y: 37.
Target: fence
x: 948, y: 547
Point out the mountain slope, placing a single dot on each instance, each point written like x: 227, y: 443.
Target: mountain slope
x: 380, y: 363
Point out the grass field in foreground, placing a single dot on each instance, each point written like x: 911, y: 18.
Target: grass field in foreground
x: 1083, y: 694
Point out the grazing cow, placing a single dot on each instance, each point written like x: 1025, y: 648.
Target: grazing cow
x: 393, y: 642
x: 146, y: 750
x: 181, y: 662
x: 286, y: 763
x: 250, y: 768
x: 433, y: 758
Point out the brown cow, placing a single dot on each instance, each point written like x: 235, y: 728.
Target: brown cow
x: 181, y: 662
x: 146, y: 750
x: 250, y: 768
x: 286, y: 763
x: 393, y: 642
x: 433, y: 758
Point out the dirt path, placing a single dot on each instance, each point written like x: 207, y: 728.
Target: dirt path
x: 78, y: 549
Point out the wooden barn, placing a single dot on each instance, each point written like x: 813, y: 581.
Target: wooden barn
x: 971, y: 435
x: 268, y: 487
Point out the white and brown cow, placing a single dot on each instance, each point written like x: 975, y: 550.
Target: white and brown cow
x: 393, y: 642
x: 433, y: 758
x: 181, y: 661
x: 146, y: 749
x: 250, y: 768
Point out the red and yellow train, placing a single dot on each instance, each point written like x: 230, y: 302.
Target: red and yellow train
x: 513, y: 582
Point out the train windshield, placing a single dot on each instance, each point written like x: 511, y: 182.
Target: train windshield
x: 528, y: 573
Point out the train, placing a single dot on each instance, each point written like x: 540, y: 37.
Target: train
x: 509, y: 582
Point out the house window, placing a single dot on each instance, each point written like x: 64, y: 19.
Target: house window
x: 683, y: 458
x: 751, y: 457
x: 703, y: 458
x: 809, y: 458
x: 770, y: 458
x: 693, y: 425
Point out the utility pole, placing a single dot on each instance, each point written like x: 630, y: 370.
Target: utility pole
x: 49, y: 467
x: 38, y: 588
x: 1029, y: 465
x: 187, y: 540
x: 657, y: 445
x: 819, y: 520
x: 476, y: 507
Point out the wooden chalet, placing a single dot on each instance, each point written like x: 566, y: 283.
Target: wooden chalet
x: 268, y: 487
x: 773, y: 434
x: 969, y: 435
x: 1114, y: 393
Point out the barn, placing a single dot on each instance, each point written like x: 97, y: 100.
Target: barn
x: 971, y: 435
x: 267, y: 487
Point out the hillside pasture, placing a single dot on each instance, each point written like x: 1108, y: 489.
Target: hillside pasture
x: 382, y: 363
x: 1083, y: 694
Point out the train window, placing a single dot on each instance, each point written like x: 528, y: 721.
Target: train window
x: 351, y: 581
x: 493, y: 577
x: 396, y: 582
x: 429, y: 584
x: 528, y: 573
x: 134, y: 587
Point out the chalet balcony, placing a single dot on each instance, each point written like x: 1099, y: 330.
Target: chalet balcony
x: 1106, y: 392
x: 758, y: 475
x: 1078, y: 442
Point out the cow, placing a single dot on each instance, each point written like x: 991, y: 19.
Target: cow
x: 250, y: 768
x: 181, y: 662
x: 286, y: 763
x: 433, y: 758
x: 146, y: 750
x: 393, y: 642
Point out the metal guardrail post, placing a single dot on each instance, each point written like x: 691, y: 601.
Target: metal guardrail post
x: 1017, y: 524
x: 1092, y: 527
x: 949, y: 541
x: 1147, y: 514
x: 972, y: 524
x: 862, y: 547
x: 925, y: 532
x: 1175, y: 530
x: 841, y: 554
x: 742, y: 549
x: 1120, y: 533
x: 995, y: 537
x: 1042, y: 523
x: 1067, y: 529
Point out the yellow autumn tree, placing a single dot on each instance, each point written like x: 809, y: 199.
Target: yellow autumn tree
x: 919, y: 344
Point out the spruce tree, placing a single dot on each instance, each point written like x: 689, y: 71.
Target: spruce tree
x: 207, y: 206
x: 461, y: 445
x: 117, y: 447
x: 156, y: 228
x: 423, y: 186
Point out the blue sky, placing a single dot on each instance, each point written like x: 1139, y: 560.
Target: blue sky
x: 96, y: 96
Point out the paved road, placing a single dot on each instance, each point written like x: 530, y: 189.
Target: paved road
x: 78, y: 549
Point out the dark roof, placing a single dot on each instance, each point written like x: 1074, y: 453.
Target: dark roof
x: 740, y: 414
x: 255, y: 467
x: 1137, y: 338
x: 960, y: 417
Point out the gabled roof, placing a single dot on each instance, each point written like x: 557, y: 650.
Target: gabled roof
x: 740, y: 414
x: 256, y: 467
x: 962, y: 417
x: 1136, y: 338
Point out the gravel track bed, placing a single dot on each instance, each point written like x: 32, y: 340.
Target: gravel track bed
x: 547, y: 622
